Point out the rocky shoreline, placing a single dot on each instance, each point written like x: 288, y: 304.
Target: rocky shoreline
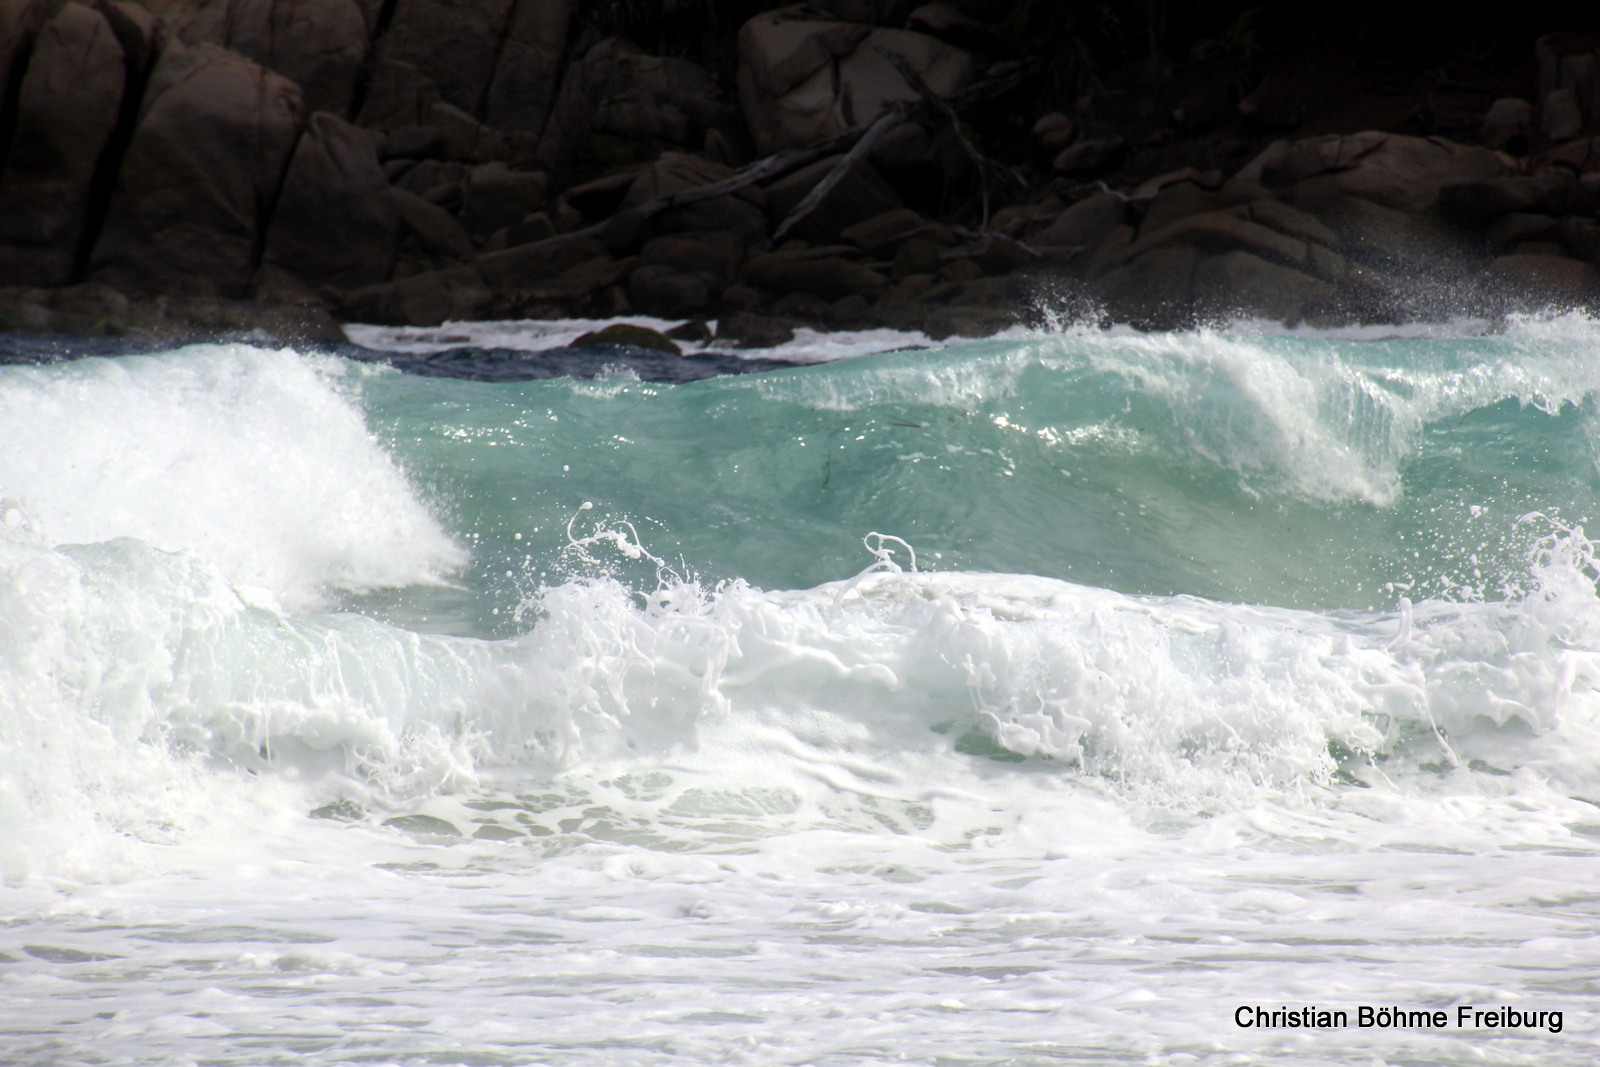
x: 192, y: 168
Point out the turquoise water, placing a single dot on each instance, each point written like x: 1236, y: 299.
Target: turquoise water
x: 1037, y: 700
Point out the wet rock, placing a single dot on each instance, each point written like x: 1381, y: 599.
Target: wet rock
x: 1152, y: 292
x: 746, y: 330
x: 802, y: 80
x: 1509, y: 231
x: 66, y: 109
x: 570, y: 292
x: 1549, y: 191
x: 1239, y: 283
x: 1398, y: 241
x: 214, y: 137
x: 335, y: 222
x: 693, y: 331
x: 428, y: 299
x: 434, y: 228
x: 1540, y: 281
x: 862, y: 195
x: 1285, y: 219
x: 1175, y: 201
x: 626, y: 333
x: 1220, y: 231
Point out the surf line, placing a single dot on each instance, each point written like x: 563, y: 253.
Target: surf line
x: 1467, y: 1015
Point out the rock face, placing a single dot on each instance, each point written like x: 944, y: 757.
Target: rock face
x: 802, y: 80
x: 434, y: 50
x: 526, y: 76
x: 67, y: 107
x: 214, y: 136
x: 335, y: 223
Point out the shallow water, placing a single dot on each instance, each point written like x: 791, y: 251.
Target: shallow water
x: 351, y: 716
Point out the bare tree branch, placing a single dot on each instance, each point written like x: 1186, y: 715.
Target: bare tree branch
x: 886, y: 122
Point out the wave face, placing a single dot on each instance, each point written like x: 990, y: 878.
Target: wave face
x: 904, y: 631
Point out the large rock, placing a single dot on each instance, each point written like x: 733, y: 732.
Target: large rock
x: 1152, y: 292
x: 318, y: 44
x: 1239, y: 283
x: 430, y: 299
x: 527, y: 264
x: 1541, y: 281
x: 435, y: 229
x: 435, y: 50
x: 498, y: 196
x: 801, y: 80
x: 214, y: 135
x: 335, y: 222
x: 525, y: 76
x: 618, y: 106
x: 826, y: 272
x: 1571, y: 61
x: 66, y: 109
x: 741, y: 212
x: 1404, y: 173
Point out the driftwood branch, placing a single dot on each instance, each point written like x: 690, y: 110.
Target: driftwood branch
x: 1000, y: 79
x: 946, y: 112
x: 887, y: 121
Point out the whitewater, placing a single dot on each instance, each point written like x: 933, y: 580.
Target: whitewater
x: 1070, y: 696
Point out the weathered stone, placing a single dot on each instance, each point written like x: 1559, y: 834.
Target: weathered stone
x: 335, y: 223
x: 667, y: 293
x: 431, y: 174
x: 1570, y: 61
x: 1178, y: 200
x: 1549, y: 191
x: 318, y: 44
x: 452, y: 45
x: 1221, y: 231
x: 572, y: 289
x: 829, y: 276
x: 675, y: 172
x: 744, y: 329
x: 1086, y: 157
x: 434, y: 228
x: 525, y: 76
x: 214, y: 135
x: 1563, y: 118
x: 600, y: 198
x: 414, y: 143
x: 1084, y: 224
x: 66, y: 109
x: 1285, y: 219
x: 398, y: 94
x: 695, y: 331
x: 1538, y: 281
x: 429, y: 299
x: 1395, y: 240
x: 918, y: 256
x: 527, y: 264
x: 497, y: 196
x: 1405, y: 173
x: 885, y: 232
x: 626, y: 333
x: 1508, y: 123
x: 801, y: 80
x: 1510, y: 230
x: 862, y: 195
x: 958, y: 270
x: 1054, y: 132
x: 716, y: 256
x: 628, y: 106
x: 1238, y: 283
x: 1152, y: 291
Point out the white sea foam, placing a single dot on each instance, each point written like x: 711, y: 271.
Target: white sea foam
x: 257, y: 461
